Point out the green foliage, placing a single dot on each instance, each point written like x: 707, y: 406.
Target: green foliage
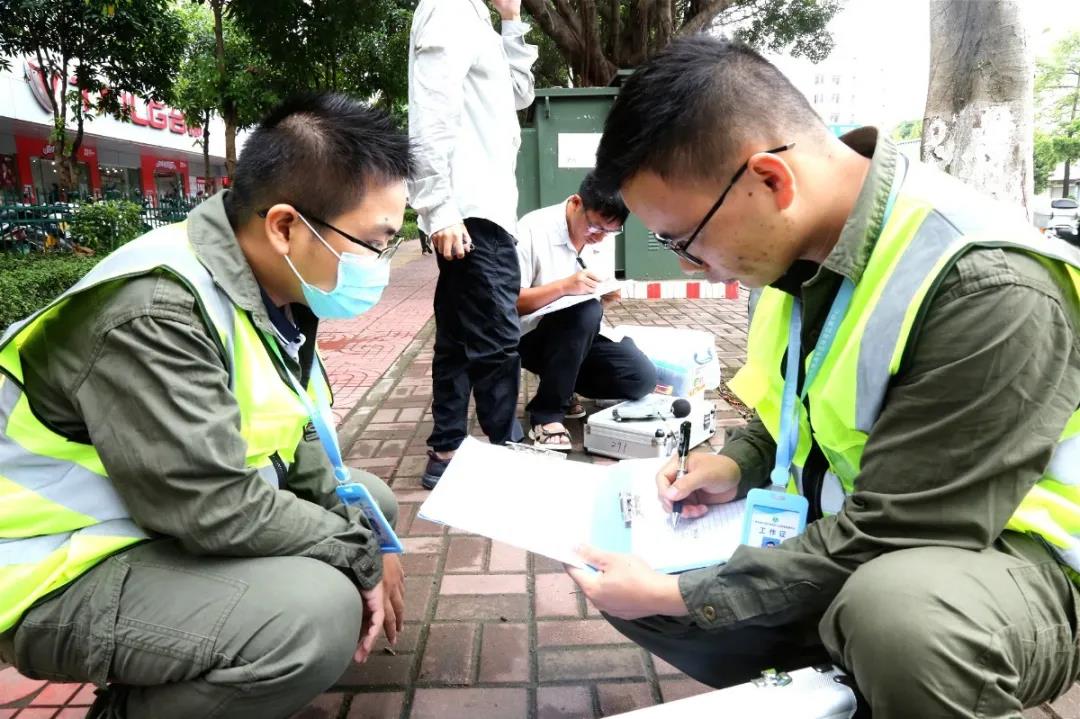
x: 249, y: 86
x: 331, y: 45
x: 908, y: 130
x: 118, y: 46
x: 798, y: 26
x: 1057, y: 88
x: 1046, y: 159
x: 29, y: 283
x: 409, y: 228
x: 104, y: 226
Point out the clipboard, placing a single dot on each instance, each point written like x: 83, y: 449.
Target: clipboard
x: 520, y: 498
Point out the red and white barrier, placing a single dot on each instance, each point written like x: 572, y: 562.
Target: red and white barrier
x: 679, y: 289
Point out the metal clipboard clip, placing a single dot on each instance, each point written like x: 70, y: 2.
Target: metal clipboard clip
x: 772, y: 678
x: 529, y: 449
x: 628, y: 507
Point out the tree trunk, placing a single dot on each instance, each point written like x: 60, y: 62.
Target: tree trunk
x: 1072, y: 118
x: 206, y: 153
x: 1066, y: 181
x: 230, y: 142
x: 979, y: 118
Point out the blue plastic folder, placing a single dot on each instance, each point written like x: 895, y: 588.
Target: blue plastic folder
x: 550, y: 506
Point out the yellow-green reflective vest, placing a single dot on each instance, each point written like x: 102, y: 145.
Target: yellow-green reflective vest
x: 935, y: 219
x: 59, y: 513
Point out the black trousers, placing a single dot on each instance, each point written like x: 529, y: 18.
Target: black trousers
x: 476, y: 337
x: 570, y: 355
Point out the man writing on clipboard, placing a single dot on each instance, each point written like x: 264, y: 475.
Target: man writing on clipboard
x: 928, y: 413
x: 557, y: 249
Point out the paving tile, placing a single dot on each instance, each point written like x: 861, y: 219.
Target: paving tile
x: 55, y: 694
x: 1068, y: 704
x: 422, y: 545
x: 384, y: 415
x: 556, y: 596
x: 418, y: 592
x: 663, y: 669
x: 577, y: 633
x: 507, y: 558
x: 412, y: 465
x: 483, y: 584
x: 39, y: 713
x: 85, y: 697
x: 392, y: 448
x: 325, y: 706
x: 448, y: 656
x: 416, y: 565
x: 545, y: 565
x: 376, y: 705
x: 608, y: 663
x: 491, y: 607
x: 14, y: 686
x: 378, y: 670
x: 412, y: 414
x: 362, y: 449
x: 7, y: 713
x: 68, y: 713
x: 504, y: 653
x: 563, y: 702
x: 675, y: 689
x: 466, y: 554
x: 470, y: 704
x: 423, y: 526
x: 623, y: 697
x: 406, y: 642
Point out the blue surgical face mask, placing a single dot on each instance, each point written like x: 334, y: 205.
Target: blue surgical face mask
x: 360, y: 282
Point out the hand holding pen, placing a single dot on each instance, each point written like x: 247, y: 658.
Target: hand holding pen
x: 708, y: 479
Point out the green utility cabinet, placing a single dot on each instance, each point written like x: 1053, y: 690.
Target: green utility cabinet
x: 558, y: 148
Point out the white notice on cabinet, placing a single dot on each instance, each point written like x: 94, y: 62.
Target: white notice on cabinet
x: 578, y: 149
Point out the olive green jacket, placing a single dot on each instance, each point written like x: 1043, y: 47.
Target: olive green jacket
x: 989, y: 380
x: 132, y: 368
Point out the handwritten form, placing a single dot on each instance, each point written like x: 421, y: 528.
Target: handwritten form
x: 605, y: 287
x: 547, y: 506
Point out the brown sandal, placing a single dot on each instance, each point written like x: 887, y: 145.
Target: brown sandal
x: 541, y: 437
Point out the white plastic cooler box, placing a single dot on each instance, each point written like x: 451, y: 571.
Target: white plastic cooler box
x: 685, y: 360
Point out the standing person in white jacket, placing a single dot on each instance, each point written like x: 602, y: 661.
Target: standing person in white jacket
x: 466, y: 83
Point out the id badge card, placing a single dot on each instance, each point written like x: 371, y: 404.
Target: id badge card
x: 357, y: 495
x: 772, y: 517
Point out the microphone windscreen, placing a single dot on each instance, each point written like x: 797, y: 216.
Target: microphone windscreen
x: 680, y: 408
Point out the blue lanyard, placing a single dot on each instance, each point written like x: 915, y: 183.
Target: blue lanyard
x: 788, y: 439
x: 319, y: 412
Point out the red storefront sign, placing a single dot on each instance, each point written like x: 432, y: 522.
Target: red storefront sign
x: 27, y: 147
x: 154, y: 167
x: 155, y: 115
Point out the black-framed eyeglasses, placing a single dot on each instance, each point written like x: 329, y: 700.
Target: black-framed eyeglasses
x: 594, y: 229
x: 680, y: 248
x: 384, y: 253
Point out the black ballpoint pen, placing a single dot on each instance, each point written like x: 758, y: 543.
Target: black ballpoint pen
x: 684, y: 450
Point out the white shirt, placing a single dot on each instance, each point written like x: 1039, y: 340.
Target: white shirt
x: 466, y: 84
x: 546, y: 254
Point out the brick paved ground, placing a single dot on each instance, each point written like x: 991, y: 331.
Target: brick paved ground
x: 491, y: 631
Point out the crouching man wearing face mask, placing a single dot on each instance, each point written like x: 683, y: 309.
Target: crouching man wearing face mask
x: 171, y: 527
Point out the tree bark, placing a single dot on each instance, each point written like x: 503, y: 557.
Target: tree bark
x: 229, y: 116
x: 979, y: 118
x: 228, y: 113
x: 1066, y: 179
x: 206, y: 151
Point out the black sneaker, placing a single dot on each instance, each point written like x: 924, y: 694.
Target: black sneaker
x: 434, y: 470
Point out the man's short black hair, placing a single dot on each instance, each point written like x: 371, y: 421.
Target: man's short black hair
x: 600, y: 201
x: 689, y: 109
x: 319, y: 152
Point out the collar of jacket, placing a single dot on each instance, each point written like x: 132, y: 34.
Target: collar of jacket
x: 219, y: 251
x: 852, y: 251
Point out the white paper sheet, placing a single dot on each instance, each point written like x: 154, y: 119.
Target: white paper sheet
x: 540, y: 504
x: 547, y: 506
x: 605, y: 287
